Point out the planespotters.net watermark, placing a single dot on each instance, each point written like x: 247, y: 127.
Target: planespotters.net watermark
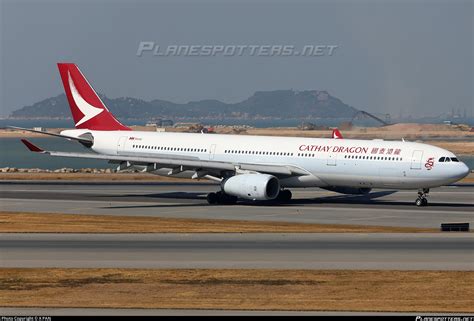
x: 151, y: 48
x: 443, y: 318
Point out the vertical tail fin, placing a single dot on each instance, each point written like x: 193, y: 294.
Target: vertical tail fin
x: 88, y: 110
x: 336, y: 134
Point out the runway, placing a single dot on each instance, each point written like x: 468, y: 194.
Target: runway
x: 274, y: 251
x: 311, y: 205
x: 435, y: 251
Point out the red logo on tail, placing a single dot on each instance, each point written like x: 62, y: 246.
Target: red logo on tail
x: 336, y: 134
x: 88, y: 110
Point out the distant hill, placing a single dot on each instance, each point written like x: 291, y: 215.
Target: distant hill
x: 262, y: 104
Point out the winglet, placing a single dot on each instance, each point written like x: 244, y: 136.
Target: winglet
x: 32, y: 147
x: 336, y: 134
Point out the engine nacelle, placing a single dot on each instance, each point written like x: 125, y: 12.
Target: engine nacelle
x: 348, y: 190
x: 252, y: 186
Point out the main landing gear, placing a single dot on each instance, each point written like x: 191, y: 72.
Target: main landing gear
x: 226, y: 199
x: 221, y: 198
x: 422, y: 194
x: 284, y: 196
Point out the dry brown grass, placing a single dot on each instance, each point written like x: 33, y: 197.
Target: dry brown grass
x: 402, y: 291
x: 20, y: 222
x: 397, y: 131
x: 461, y: 148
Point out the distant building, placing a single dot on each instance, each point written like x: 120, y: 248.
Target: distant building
x: 160, y: 123
x: 167, y: 123
x: 186, y: 125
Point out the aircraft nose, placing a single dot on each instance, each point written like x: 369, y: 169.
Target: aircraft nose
x: 463, y: 170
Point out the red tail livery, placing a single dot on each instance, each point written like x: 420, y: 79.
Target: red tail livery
x: 336, y: 134
x: 88, y: 110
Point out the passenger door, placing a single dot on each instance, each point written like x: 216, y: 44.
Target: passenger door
x: 212, y: 150
x: 416, y: 159
x: 332, y: 159
x: 121, y: 144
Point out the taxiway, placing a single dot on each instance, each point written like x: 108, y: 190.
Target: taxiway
x: 188, y: 200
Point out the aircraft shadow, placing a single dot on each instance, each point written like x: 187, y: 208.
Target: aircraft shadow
x: 370, y: 199
x: 166, y: 195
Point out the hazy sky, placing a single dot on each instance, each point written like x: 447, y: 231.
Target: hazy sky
x: 411, y: 55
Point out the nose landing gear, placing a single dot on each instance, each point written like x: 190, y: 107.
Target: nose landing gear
x: 422, y: 194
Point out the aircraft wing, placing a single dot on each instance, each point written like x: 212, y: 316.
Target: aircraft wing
x: 177, y: 162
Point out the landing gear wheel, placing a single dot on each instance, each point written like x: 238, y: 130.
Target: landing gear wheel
x: 212, y: 198
x: 221, y: 198
x: 284, y: 196
x: 421, y: 200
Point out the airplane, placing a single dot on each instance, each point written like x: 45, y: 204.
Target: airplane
x: 252, y: 167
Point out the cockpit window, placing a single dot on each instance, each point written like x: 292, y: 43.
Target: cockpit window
x: 448, y: 159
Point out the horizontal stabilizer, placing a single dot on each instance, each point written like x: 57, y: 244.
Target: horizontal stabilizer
x: 87, y: 141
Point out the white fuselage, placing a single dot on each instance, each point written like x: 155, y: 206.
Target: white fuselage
x: 328, y: 162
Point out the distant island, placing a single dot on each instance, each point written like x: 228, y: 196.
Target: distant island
x: 277, y: 104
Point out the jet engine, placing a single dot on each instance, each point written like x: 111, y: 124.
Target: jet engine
x: 252, y: 186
